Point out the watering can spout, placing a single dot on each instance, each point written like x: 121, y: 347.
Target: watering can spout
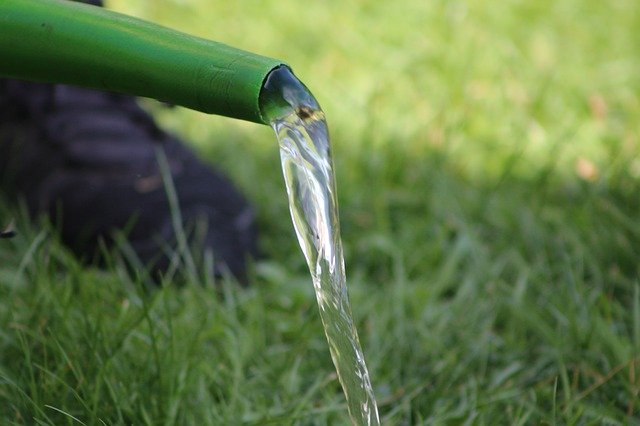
x: 60, y: 41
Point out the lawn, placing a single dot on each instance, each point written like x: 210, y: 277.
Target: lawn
x: 488, y: 170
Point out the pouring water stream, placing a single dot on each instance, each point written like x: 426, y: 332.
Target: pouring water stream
x: 305, y: 153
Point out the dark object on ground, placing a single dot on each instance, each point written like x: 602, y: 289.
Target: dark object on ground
x: 7, y: 233
x: 88, y: 159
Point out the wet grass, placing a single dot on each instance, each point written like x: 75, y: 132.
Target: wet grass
x: 488, y: 174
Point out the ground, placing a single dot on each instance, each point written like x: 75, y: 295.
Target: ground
x: 488, y: 175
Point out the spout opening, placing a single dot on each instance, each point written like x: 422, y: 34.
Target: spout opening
x: 282, y: 92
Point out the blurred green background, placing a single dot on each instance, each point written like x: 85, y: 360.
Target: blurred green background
x: 489, y: 178
x: 520, y: 83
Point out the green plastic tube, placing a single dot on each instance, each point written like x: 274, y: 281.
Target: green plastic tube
x: 60, y: 41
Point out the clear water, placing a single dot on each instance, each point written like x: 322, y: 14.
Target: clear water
x: 305, y: 152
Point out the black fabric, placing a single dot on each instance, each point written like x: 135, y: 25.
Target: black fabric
x: 88, y: 160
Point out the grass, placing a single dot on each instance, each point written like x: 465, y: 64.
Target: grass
x: 488, y: 173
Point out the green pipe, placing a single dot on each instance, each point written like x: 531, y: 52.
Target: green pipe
x: 60, y: 41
